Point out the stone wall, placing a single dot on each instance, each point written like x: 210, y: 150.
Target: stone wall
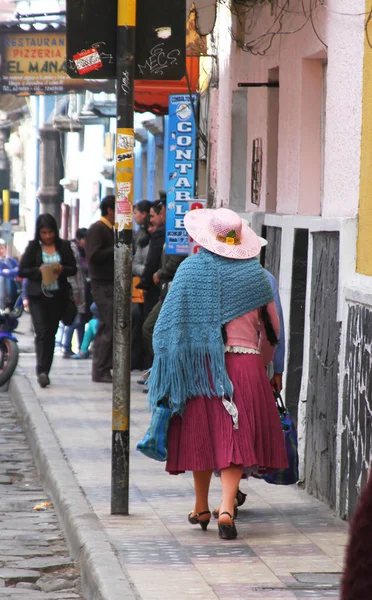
x: 356, y: 407
x: 273, y: 235
x: 295, y: 335
x: 322, y: 391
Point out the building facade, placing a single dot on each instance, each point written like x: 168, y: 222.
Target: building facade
x: 291, y: 151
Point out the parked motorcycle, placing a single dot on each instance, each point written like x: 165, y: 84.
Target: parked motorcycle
x: 9, y: 352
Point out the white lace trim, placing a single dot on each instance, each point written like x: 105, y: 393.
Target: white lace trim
x: 241, y: 350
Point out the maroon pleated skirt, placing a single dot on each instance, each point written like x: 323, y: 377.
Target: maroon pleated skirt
x: 204, y: 437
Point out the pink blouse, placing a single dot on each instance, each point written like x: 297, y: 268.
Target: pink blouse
x: 248, y: 331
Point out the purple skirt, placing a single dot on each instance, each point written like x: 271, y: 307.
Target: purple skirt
x: 204, y: 437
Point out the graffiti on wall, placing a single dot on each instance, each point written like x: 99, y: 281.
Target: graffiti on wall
x: 356, y: 408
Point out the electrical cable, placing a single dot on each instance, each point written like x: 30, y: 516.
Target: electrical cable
x: 336, y: 12
x: 366, y: 27
x: 313, y: 24
x: 250, y: 45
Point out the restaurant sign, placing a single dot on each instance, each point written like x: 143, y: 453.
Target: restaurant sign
x: 35, y: 63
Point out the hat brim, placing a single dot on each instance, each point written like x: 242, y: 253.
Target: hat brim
x: 197, y: 224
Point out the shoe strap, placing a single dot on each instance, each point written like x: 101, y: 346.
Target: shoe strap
x: 226, y: 513
x: 205, y: 512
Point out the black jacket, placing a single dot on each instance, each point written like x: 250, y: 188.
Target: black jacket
x: 99, y: 250
x: 32, y: 260
x: 153, y: 260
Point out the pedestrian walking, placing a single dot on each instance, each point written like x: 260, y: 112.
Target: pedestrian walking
x: 274, y: 370
x: 100, y: 256
x: 89, y: 334
x: 138, y: 359
x: 276, y: 374
x: 8, y: 273
x: 47, y: 263
x: 78, y: 284
x: 207, y: 363
x: 163, y: 278
x: 151, y: 289
x: 141, y: 213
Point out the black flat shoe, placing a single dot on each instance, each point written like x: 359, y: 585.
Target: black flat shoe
x: 225, y: 531
x: 240, y: 497
x: 43, y: 380
x: 194, y: 520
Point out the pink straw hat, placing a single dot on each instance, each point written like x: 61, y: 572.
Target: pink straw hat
x: 223, y: 232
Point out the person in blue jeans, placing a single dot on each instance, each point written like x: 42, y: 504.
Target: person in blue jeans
x: 278, y: 361
x: 78, y: 284
x: 89, y: 335
x: 8, y: 273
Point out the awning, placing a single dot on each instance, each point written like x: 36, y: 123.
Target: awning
x: 153, y: 96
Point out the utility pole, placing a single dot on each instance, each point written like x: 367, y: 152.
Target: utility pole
x: 125, y: 73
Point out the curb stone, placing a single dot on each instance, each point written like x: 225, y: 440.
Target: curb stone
x: 102, y: 575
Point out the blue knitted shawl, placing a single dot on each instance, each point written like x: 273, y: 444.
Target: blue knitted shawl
x: 208, y: 291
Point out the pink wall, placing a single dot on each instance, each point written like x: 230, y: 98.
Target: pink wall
x: 221, y: 114
x: 304, y: 161
x: 310, y: 166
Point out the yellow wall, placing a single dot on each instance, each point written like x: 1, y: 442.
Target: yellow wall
x: 364, y: 243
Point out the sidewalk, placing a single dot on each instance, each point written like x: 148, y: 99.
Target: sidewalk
x: 289, y: 546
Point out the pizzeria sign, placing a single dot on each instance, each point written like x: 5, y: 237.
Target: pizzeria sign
x: 34, y: 62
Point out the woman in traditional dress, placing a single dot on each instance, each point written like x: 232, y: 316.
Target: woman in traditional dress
x: 215, y: 333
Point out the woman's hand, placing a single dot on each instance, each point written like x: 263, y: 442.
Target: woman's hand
x: 58, y: 269
x: 277, y: 382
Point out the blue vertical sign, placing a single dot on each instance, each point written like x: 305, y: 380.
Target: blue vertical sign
x: 182, y: 136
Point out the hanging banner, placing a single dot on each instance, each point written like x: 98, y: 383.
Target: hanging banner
x: 160, y: 39
x: 181, y: 170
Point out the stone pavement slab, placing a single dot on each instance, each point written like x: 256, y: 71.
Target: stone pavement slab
x: 282, y: 531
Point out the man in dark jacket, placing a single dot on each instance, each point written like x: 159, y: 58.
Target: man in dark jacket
x: 163, y: 278
x: 152, y: 291
x: 100, y: 256
x: 141, y: 211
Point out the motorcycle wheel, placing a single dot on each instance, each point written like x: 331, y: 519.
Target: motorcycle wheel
x: 8, y: 359
x: 18, y: 312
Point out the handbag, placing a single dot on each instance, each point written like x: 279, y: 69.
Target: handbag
x: 137, y: 295
x: 155, y: 442
x: 70, y: 310
x: 290, y: 475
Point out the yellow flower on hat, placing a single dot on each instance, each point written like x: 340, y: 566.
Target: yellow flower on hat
x: 230, y: 241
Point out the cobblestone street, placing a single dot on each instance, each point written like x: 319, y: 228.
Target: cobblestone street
x: 34, y: 559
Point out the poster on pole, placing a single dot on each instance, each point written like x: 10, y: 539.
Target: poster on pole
x: 181, y: 148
